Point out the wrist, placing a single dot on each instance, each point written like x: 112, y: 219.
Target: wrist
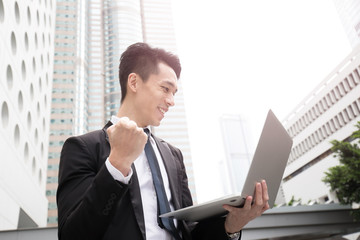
x: 229, y: 228
x: 235, y: 235
x: 120, y: 165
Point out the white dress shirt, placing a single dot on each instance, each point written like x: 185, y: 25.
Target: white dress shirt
x: 147, y: 190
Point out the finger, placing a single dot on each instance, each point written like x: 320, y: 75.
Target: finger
x: 132, y: 125
x: 123, y: 120
x: 228, y: 208
x: 258, y: 194
x: 265, y: 191
x: 248, y: 202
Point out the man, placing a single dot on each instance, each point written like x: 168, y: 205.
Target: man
x: 107, y: 188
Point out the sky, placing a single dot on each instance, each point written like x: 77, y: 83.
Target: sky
x: 244, y: 58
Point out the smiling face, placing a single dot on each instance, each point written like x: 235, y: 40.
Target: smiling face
x: 155, y: 96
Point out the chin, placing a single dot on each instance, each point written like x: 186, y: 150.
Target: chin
x: 156, y: 124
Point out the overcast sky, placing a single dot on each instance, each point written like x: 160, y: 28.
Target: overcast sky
x: 245, y: 57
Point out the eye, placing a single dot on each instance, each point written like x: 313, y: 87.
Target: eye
x: 166, y: 89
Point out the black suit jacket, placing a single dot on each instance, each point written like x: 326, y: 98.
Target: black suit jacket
x: 92, y: 205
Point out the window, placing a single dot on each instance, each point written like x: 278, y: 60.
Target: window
x: 356, y: 77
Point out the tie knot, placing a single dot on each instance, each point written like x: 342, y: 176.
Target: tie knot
x: 147, y: 131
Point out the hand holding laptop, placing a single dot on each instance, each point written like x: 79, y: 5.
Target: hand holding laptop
x: 237, y: 218
x: 269, y: 162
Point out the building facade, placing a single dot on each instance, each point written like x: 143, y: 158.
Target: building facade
x: 238, y: 152
x: 158, y: 31
x: 349, y: 13
x: 329, y: 112
x: 69, y: 101
x: 26, y: 69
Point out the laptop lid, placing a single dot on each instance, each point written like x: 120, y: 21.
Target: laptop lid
x: 269, y: 162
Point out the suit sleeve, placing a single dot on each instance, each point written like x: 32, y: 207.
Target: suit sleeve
x: 87, y: 193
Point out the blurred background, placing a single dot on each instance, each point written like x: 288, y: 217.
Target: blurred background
x: 59, y: 78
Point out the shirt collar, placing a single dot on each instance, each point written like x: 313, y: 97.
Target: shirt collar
x: 115, y: 119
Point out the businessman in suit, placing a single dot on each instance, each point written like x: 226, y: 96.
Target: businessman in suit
x: 106, y: 186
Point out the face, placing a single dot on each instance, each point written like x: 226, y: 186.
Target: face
x: 155, y: 96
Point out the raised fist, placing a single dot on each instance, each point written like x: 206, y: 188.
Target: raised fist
x: 127, y: 141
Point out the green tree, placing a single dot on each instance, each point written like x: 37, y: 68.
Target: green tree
x: 344, y: 179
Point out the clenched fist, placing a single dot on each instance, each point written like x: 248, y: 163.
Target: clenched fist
x: 127, y: 141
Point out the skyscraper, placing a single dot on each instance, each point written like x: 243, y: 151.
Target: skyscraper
x: 69, y: 102
x: 349, y: 13
x: 26, y: 46
x: 158, y: 30
x: 90, y: 38
x: 238, y: 151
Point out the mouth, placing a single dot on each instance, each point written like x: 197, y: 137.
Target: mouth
x: 162, y: 110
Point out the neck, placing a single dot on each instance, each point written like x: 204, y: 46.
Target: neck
x: 128, y: 110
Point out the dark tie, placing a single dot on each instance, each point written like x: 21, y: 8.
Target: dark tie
x: 163, y: 203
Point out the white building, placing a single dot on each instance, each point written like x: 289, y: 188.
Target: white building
x: 238, y: 152
x: 26, y: 47
x: 329, y: 112
x: 349, y: 13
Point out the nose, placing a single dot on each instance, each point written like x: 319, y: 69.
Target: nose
x: 170, y: 100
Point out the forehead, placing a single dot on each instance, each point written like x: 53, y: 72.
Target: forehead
x: 165, y: 75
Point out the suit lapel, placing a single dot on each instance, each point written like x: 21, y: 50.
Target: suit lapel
x: 136, y: 201
x: 171, y: 169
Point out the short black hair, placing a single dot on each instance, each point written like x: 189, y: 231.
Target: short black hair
x: 142, y: 59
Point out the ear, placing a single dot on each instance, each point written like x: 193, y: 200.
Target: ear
x: 132, y: 83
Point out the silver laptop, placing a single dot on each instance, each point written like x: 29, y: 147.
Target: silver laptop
x: 269, y: 162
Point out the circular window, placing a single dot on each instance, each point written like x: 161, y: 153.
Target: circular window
x: 13, y: 43
x: 43, y: 124
x: 29, y: 121
x: 38, y: 110
x: 37, y: 18
x: 48, y: 58
x: 17, y: 135
x: 26, y: 39
x: 31, y: 91
x: 29, y: 15
x: 17, y: 13
x: 34, y: 65
x: 40, y: 177
x: 42, y: 149
x: 20, y: 101
x: 26, y: 152
x: 1, y: 11
x: 40, y: 84
x: 33, y: 166
x: 36, y: 41
x: 45, y: 101
x: 9, y: 76
x: 23, y: 70
x: 42, y: 61
x: 5, y: 114
x: 36, y: 136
